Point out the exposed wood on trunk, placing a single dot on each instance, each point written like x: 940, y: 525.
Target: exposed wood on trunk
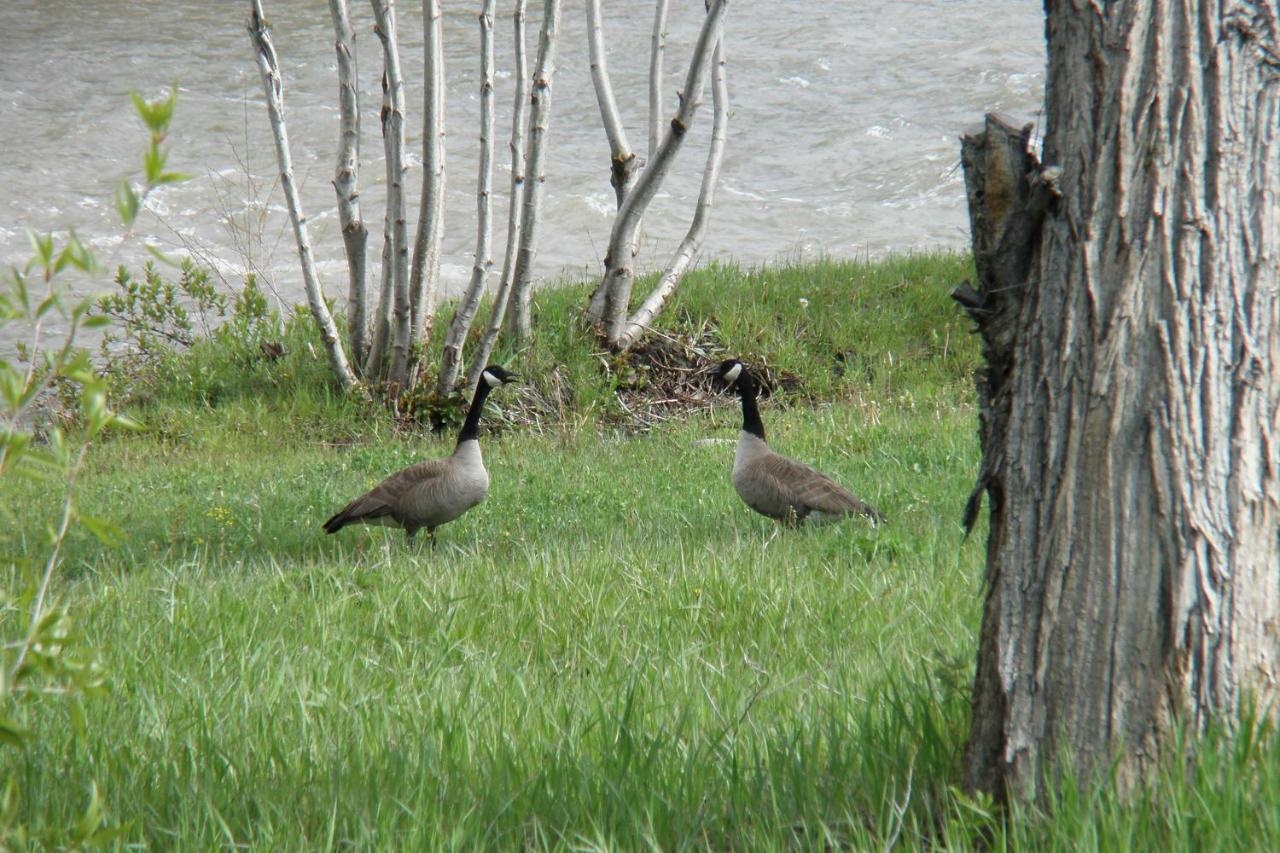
x: 619, y: 259
x: 1131, y: 403
x: 515, y: 207
x: 273, y: 86
x: 425, y: 273
x: 692, y: 241
x: 535, y: 160
x: 451, y: 354
x: 346, y: 179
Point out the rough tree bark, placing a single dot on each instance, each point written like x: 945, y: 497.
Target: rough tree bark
x: 346, y: 179
x: 451, y: 353
x: 273, y: 86
x: 1127, y: 301
x: 535, y: 159
x: 515, y: 209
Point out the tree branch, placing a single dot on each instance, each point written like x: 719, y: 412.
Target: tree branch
x: 426, y: 248
x: 657, y: 47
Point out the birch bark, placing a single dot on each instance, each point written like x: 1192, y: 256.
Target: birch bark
x: 425, y: 273
x: 273, y: 87
x: 515, y: 209
x: 346, y: 179
x: 535, y: 160
x: 1128, y: 305
x: 393, y: 145
x: 619, y: 259
x: 692, y: 241
x: 451, y: 354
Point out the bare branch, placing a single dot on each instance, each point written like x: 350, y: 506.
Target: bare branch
x: 451, y: 355
x: 273, y: 86
x: 657, y: 47
x: 515, y: 206
x: 393, y: 144
x: 426, y: 248
x: 619, y: 259
x: 539, y: 116
x: 697, y: 228
x: 346, y: 179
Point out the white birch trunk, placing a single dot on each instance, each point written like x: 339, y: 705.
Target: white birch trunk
x: 535, y: 159
x: 273, y: 86
x: 375, y: 366
x: 622, y: 160
x: 515, y: 208
x: 692, y: 241
x: 1130, y: 421
x: 346, y: 179
x: 619, y: 259
x: 451, y: 354
x: 393, y: 144
x: 425, y: 275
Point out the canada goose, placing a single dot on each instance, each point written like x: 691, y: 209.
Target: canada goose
x: 429, y: 494
x: 773, y: 484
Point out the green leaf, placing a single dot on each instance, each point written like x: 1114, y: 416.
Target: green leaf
x: 92, y: 818
x: 96, y: 321
x: 12, y: 734
x: 127, y: 202
x: 174, y: 177
x: 160, y: 256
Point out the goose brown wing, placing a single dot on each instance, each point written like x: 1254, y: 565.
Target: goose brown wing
x: 384, y: 498
x: 811, y: 488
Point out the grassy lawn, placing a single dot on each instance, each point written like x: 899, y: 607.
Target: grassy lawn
x: 612, y: 651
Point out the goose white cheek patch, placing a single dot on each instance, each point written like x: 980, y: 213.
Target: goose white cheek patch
x: 734, y: 372
x: 491, y: 380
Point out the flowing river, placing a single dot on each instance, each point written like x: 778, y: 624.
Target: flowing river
x: 843, y: 134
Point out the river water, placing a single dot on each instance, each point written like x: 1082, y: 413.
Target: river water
x: 843, y: 136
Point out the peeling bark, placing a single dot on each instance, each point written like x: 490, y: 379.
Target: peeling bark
x: 1128, y: 306
x: 273, y: 86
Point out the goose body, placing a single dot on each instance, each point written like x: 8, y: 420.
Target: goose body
x: 778, y: 486
x: 431, y: 493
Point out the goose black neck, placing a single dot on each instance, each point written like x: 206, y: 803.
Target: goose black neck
x: 750, y: 414
x: 471, y: 426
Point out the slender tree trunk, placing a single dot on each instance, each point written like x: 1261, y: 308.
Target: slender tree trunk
x: 692, y: 241
x: 393, y: 144
x: 515, y: 208
x: 539, y: 119
x: 451, y: 355
x: 425, y: 274
x: 1128, y: 307
x: 346, y: 179
x: 619, y: 258
x: 273, y: 86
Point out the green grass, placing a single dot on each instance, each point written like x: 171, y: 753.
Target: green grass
x: 611, y: 651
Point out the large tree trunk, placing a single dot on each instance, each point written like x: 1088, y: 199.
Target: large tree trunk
x: 1127, y: 300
